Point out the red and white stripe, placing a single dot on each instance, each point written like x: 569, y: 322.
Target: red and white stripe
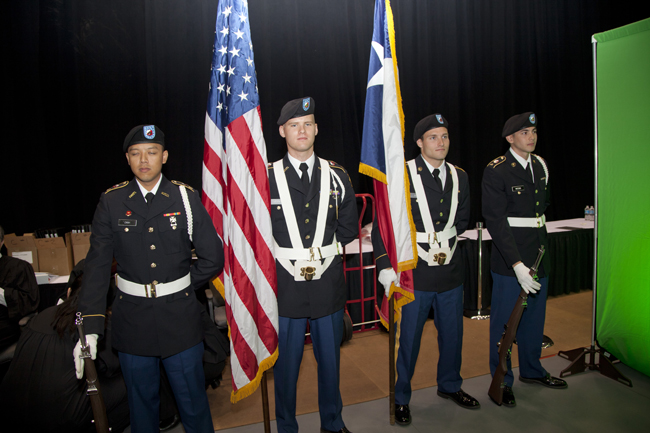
x: 236, y: 195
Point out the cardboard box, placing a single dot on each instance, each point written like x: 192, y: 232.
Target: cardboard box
x: 80, y: 246
x: 55, y: 255
x: 23, y: 247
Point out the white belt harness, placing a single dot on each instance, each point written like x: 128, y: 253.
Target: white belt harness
x: 439, y: 252
x: 531, y: 222
x: 308, y: 265
x: 153, y: 290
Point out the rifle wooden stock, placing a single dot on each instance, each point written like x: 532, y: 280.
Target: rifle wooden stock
x: 94, y: 390
x: 505, y: 344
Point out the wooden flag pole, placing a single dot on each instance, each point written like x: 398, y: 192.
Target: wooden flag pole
x: 265, y: 404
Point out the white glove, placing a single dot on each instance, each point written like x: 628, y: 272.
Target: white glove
x: 525, y: 280
x: 386, y: 278
x: 91, y: 340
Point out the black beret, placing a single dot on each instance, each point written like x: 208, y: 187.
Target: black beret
x: 297, y: 108
x: 144, y: 134
x: 429, y: 122
x: 519, y: 122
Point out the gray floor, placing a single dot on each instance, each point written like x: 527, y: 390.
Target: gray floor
x: 592, y: 403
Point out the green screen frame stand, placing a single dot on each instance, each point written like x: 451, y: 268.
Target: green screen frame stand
x: 593, y: 358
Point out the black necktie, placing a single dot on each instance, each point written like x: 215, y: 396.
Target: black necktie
x: 149, y: 197
x: 305, y: 177
x: 436, y: 178
x: 529, y: 169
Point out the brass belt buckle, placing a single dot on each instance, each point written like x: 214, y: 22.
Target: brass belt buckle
x: 308, y: 272
x: 151, y: 288
x: 441, y: 258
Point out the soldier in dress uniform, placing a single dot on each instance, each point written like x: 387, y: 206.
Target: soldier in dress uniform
x: 440, y: 208
x: 515, y: 197
x: 150, y: 225
x: 314, y: 214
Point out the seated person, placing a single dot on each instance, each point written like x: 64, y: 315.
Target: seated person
x: 41, y: 392
x: 18, y: 295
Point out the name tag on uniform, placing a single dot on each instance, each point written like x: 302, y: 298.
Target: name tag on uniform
x: 276, y: 201
x: 517, y: 188
x: 127, y: 223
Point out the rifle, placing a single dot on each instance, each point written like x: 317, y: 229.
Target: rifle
x: 508, y: 337
x: 94, y: 391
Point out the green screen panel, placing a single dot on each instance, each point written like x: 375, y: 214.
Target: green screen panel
x: 623, y: 261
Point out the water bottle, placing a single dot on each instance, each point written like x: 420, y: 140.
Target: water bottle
x: 586, y: 213
x: 592, y: 213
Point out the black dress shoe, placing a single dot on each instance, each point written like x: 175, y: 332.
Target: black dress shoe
x: 169, y: 423
x: 508, y: 397
x: 461, y: 398
x: 402, y: 414
x: 343, y: 430
x: 547, y: 381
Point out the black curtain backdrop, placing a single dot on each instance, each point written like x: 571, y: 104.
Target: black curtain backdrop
x: 77, y: 75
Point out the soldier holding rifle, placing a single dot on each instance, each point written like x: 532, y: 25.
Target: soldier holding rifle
x: 150, y: 226
x: 515, y: 196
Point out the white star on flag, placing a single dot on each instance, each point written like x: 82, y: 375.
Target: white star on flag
x: 237, y: 197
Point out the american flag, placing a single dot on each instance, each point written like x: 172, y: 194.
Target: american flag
x: 236, y: 195
x: 382, y: 156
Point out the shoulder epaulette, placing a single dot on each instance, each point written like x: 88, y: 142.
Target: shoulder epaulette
x: 118, y: 186
x: 269, y: 165
x: 497, y: 161
x: 458, y: 168
x: 175, y: 182
x: 335, y: 165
